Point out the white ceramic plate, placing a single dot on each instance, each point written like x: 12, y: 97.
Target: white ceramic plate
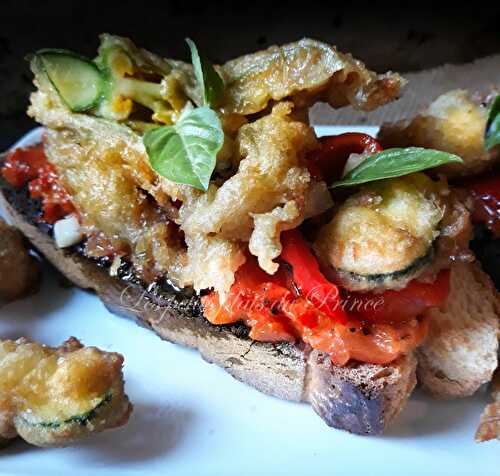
x: 192, y: 418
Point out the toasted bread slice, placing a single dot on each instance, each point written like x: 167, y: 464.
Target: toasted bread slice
x: 461, y: 350
x: 360, y: 398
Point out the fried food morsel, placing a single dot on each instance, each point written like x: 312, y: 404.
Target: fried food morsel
x: 305, y: 71
x: 55, y: 396
x: 19, y: 272
x: 382, y: 237
x: 454, y: 123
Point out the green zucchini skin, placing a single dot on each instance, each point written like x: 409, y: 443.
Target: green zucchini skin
x: 77, y: 80
x: 394, y: 280
x: 111, y: 412
x: 80, y: 419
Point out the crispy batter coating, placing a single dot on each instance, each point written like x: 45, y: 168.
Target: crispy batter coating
x: 104, y: 188
x: 55, y: 396
x: 270, y: 180
x: 489, y: 426
x: 104, y: 184
x: 305, y: 71
x: 212, y: 261
x: 265, y: 239
x: 99, y: 171
x: 19, y: 272
x: 454, y: 122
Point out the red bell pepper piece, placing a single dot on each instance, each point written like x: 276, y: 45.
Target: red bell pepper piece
x: 307, y: 276
x: 23, y: 165
x: 327, y: 162
x: 30, y: 165
x: 402, y: 305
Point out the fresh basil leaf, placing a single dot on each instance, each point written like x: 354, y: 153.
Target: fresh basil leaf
x: 492, y: 131
x: 208, y: 79
x: 186, y: 151
x: 395, y: 163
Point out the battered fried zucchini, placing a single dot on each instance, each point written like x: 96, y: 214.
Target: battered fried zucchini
x: 454, y: 122
x: 55, y: 396
x: 382, y: 237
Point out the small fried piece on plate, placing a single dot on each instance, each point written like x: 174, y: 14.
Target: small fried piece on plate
x: 489, y: 425
x: 19, y: 272
x: 52, y: 397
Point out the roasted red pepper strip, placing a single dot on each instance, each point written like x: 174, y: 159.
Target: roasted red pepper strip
x: 275, y: 313
x: 308, y: 277
x: 402, y: 305
x: 327, y: 162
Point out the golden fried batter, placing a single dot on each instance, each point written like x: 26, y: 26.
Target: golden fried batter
x: 105, y: 191
x: 55, y: 396
x: 305, y: 71
x: 270, y: 176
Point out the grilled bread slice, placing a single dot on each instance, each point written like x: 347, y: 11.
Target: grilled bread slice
x: 461, y: 350
x: 360, y: 398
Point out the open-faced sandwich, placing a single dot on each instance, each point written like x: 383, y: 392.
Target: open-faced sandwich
x: 198, y: 200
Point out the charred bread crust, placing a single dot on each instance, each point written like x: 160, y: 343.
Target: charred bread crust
x: 361, y: 398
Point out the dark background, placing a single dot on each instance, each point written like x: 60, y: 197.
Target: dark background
x: 385, y: 37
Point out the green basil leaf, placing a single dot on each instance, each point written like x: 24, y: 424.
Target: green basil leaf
x: 395, y: 163
x: 492, y: 132
x: 186, y: 151
x: 208, y: 79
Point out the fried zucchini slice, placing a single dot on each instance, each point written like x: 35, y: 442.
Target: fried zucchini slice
x: 455, y: 123
x: 55, y: 396
x: 382, y: 237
